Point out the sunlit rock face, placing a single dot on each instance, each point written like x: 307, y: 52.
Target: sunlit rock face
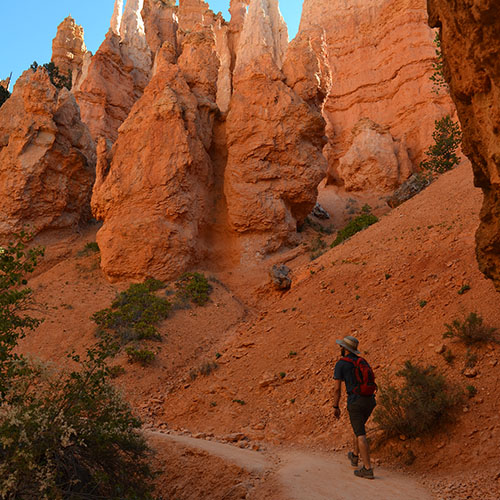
x: 47, y: 158
x: 381, y: 54
x: 274, y: 133
x: 69, y: 52
x: 470, y: 37
x: 117, y: 74
x: 154, y: 188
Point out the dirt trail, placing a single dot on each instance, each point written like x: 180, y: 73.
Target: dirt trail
x: 306, y: 475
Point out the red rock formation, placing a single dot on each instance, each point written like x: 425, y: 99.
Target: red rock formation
x: 160, y: 23
x: 69, y: 53
x: 47, y: 158
x: 381, y: 54
x: 117, y: 75
x: 274, y: 134
x: 470, y: 38
x: 154, y: 200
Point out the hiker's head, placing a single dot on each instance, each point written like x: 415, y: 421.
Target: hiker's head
x: 350, y: 344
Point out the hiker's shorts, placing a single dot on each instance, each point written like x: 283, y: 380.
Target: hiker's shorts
x: 359, y: 412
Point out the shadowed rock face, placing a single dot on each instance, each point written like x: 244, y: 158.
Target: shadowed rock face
x: 470, y: 38
x: 47, y: 158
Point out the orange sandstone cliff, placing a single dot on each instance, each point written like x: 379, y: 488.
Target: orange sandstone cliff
x: 470, y: 37
x: 47, y: 158
x: 381, y: 54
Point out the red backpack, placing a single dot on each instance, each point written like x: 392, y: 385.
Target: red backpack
x: 365, y: 378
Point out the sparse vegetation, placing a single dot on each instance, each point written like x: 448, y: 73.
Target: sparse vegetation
x: 317, y: 248
x: 208, y: 367
x: 465, y: 288
x: 144, y: 357
x: 292, y: 354
x: 62, y: 435
x: 193, y: 287
x: 282, y: 374
x: 448, y: 356
x: 90, y: 248
x: 239, y: 401
x: 471, y: 331
x: 437, y: 77
x: 471, y: 391
x: 421, y: 404
x: 470, y: 359
x: 57, y: 79
x: 134, y: 314
x: 442, y: 155
x: 422, y: 303
x: 355, y: 226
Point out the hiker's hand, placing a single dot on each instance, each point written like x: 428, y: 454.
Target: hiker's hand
x: 336, y: 412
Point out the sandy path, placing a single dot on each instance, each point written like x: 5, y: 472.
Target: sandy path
x: 308, y: 475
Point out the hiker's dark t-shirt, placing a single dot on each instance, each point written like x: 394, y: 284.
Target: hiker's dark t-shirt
x: 345, y: 371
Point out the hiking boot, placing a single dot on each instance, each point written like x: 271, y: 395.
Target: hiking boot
x: 353, y: 458
x: 365, y: 473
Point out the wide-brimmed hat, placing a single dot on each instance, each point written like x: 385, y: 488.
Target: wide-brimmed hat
x: 349, y: 343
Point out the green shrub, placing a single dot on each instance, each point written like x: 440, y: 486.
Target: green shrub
x: 193, y: 287
x: 422, y: 404
x: 471, y: 331
x: 355, y: 226
x: 144, y: 357
x: 134, y: 313
x: 62, y: 435
x: 4, y: 95
x: 57, y: 79
x: 442, y: 155
x: 463, y: 289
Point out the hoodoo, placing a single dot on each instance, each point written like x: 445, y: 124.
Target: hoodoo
x: 47, y: 158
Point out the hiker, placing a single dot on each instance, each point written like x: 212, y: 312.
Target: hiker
x: 360, y: 386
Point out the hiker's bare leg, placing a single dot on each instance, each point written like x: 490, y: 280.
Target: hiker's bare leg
x: 355, y: 445
x: 364, y: 449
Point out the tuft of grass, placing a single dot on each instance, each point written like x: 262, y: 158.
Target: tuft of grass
x: 355, y: 226
x: 448, y: 356
x: 144, y: 357
x: 282, y: 374
x: 239, y: 401
x: 318, y: 248
x: 471, y: 391
x: 90, y: 248
x: 134, y: 314
x: 116, y: 371
x: 471, y: 331
x: 464, y: 289
x: 193, y: 287
x: 292, y: 354
x: 422, y: 303
x: 423, y: 402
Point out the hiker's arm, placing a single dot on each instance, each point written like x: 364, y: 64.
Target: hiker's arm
x: 337, y: 392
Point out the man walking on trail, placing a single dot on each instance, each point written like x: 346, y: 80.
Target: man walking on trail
x: 360, y: 386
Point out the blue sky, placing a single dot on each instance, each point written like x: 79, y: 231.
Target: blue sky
x: 28, y: 27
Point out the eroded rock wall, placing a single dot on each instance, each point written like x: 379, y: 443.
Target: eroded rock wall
x: 153, y: 189
x: 470, y: 38
x: 275, y: 133
x: 381, y: 54
x: 47, y: 158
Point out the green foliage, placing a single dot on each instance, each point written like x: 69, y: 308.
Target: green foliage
x: 471, y: 391
x: 72, y: 436
x: 62, y: 435
x: 239, y: 401
x: 463, y: 289
x: 193, y: 287
x: 89, y: 248
x: 471, y: 331
x: 144, y: 357
x: 134, y: 313
x: 441, y: 156
x: 355, y: 226
x: 57, y: 79
x: 16, y: 261
x: 422, y: 303
x: 421, y: 405
x: 437, y: 76
x: 4, y: 95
